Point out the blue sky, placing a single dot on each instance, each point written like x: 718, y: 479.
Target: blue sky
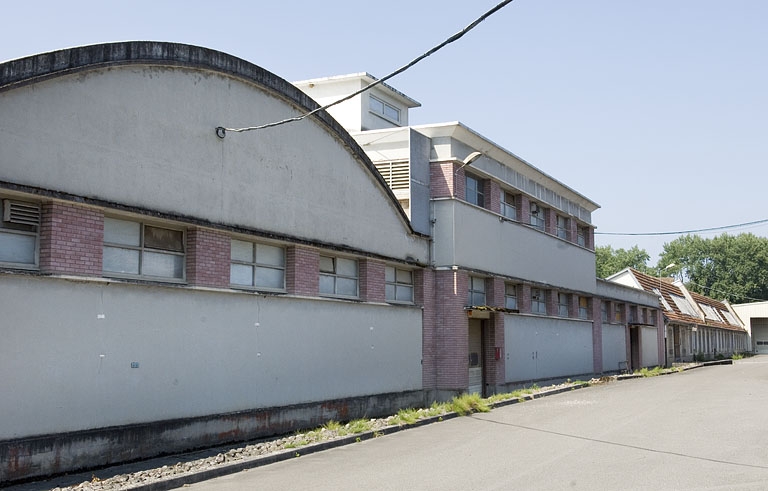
x: 656, y: 110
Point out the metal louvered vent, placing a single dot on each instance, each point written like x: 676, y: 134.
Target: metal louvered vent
x: 21, y: 213
x: 396, y: 174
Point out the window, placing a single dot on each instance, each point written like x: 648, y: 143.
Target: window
x: 604, y: 311
x: 730, y: 317
x: 257, y: 265
x: 583, y: 308
x: 710, y: 312
x: 581, y: 235
x: 684, y: 306
x: 510, y: 296
x: 338, y: 276
x: 562, y: 227
x: 652, y: 317
x: 562, y: 304
x: 662, y: 299
x: 617, y: 313
x: 139, y: 249
x: 476, y: 291
x: 508, y: 205
x: 537, y: 216
x: 19, y: 232
x: 398, y: 284
x: 538, y: 302
x: 474, y: 190
x: 384, y: 109
x: 633, y: 313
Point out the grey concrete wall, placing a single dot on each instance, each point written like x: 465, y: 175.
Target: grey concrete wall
x: 614, y: 347
x: 546, y: 347
x: 474, y: 238
x: 143, y: 136
x: 68, y: 349
x: 612, y: 291
x: 420, y: 193
x: 26, y: 458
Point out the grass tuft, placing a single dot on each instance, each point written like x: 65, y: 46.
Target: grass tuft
x: 468, y: 404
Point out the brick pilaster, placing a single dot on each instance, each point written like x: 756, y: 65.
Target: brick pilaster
x: 71, y: 239
x: 442, y: 179
x: 492, y: 196
x: 524, y: 210
x: 573, y: 306
x: 573, y: 231
x: 590, y: 239
x: 494, y: 340
x: 597, y: 336
x: 524, y: 298
x: 302, y: 271
x: 550, y: 221
x: 460, y: 184
x: 551, y: 301
x: 453, y: 330
x: 208, y: 257
x: 424, y: 295
x: 372, y: 286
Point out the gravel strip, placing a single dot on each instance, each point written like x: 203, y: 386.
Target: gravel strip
x: 228, y: 460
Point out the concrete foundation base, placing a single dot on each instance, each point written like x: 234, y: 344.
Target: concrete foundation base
x: 46, y: 455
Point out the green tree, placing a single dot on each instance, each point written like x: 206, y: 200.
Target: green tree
x: 734, y: 268
x: 609, y: 260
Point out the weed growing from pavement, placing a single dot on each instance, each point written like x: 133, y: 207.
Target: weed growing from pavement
x: 359, y: 426
x: 649, y: 372
x: 406, y: 416
x: 468, y: 404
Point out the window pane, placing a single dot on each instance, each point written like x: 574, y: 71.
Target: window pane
x: 241, y: 251
x: 166, y: 265
x: 327, y: 284
x: 376, y: 105
x: 478, y: 284
x: 346, y: 286
x: 389, y: 274
x: 404, y: 276
x: 163, y: 239
x: 270, y: 255
x: 391, y: 112
x: 119, y: 260
x: 404, y: 293
x: 122, y: 232
x: 270, y: 278
x: 346, y: 267
x: 390, y: 292
x: 326, y: 264
x: 478, y: 299
x: 17, y: 248
x: 241, y: 274
x: 471, y: 184
x: 511, y: 302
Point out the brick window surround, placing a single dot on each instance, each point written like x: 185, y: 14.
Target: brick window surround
x: 208, y: 257
x: 301, y: 271
x: 71, y: 238
x: 371, y: 280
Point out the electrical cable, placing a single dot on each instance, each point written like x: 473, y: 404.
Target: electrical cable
x: 723, y: 292
x: 221, y: 131
x: 726, y: 227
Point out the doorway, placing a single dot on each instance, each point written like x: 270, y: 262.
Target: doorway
x: 476, y: 361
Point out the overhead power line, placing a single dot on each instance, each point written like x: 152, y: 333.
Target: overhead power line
x: 221, y: 131
x: 681, y: 232
x: 724, y: 292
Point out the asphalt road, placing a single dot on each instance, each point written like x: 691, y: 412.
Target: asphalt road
x: 698, y: 430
